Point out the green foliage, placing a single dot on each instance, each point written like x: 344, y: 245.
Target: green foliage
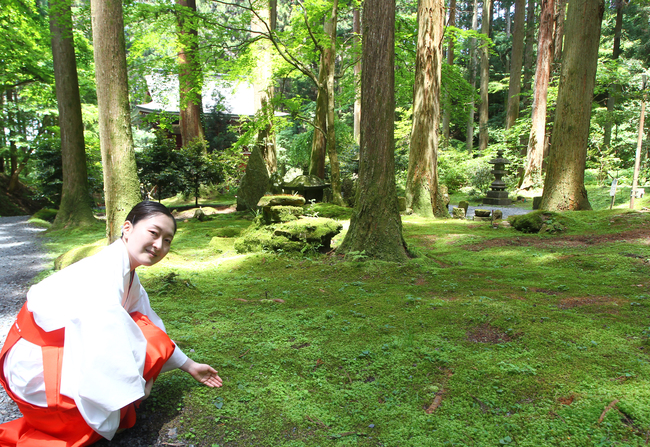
x: 458, y: 170
x: 197, y: 168
x: 158, y: 167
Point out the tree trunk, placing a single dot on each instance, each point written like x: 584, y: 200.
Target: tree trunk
x: 75, y: 208
x: 376, y: 226
x: 564, y: 185
x: 514, y: 87
x: 121, y: 184
x: 319, y: 141
x: 560, y: 14
x: 446, y: 115
x: 536, y: 141
x: 472, y: 80
x: 190, y: 75
x: 263, y: 88
x: 483, y: 117
x: 356, y: 29
x: 615, y: 88
x: 530, y: 41
x: 329, y: 54
x: 422, y: 192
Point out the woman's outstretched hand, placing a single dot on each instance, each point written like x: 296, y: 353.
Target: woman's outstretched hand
x: 202, y: 373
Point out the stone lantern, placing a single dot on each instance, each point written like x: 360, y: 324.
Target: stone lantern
x: 498, y: 194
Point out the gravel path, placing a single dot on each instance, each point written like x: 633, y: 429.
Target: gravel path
x: 21, y: 258
x: 507, y: 210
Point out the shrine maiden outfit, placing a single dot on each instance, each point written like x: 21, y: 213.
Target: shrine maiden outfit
x: 80, y: 353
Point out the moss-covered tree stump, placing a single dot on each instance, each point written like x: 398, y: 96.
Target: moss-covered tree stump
x: 296, y: 236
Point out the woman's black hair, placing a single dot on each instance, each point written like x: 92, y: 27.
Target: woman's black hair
x: 145, y: 210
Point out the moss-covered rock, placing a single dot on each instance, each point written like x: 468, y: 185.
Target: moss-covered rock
x: 298, y: 235
x: 538, y: 222
x: 281, y: 213
x: 47, y: 214
x: 77, y: 254
x: 282, y: 200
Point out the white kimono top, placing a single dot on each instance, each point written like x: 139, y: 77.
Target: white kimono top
x: 104, y: 350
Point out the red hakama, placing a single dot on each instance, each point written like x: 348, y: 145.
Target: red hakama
x: 60, y: 424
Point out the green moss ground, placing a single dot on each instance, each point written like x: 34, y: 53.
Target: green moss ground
x: 522, y: 339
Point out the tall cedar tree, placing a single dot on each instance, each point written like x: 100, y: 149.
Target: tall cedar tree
x: 75, y: 208
x: 615, y: 88
x: 472, y: 79
x: 356, y: 29
x: 483, y: 114
x: 422, y: 192
x: 560, y: 14
x: 329, y: 57
x: 537, y: 141
x: 528, y: 48
x: 319, y: 140
x: 446, y: 114
x: 376, y: 226
x: 564, y: 187
x: 190, y: 76
x: 121, y: 184
x: 263, y: 85
x: 514, y: 86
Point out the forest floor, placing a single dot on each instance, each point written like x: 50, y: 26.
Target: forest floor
x: 488, y: 337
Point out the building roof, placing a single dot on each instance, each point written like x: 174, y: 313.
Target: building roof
x: 231, y: 98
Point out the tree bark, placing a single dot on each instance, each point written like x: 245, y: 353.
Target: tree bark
x: 530, y: 41
x: 422, y: 193
x: 472, y: 80
x: 263, y: 87
x: 376, y: 226
x: 329, y: 54
x: 483, y: 117
x: 514, y: 86
x: 356, y: 29
x: 615, y: 88
x: 319, y: 141
x: 190, y: 75
x: 537, y: 140
x: 75, y: 208
x: 121, y: 184
x: 446, y: 115
x: 560, y: 15
x: 564, y: 185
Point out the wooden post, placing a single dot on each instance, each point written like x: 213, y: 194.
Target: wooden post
x: 639, y: 142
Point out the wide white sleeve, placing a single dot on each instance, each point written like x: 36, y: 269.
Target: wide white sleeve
x: 103, y: 364
x: 143, y: 306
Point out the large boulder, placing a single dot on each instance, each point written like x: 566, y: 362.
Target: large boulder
x: 254, y: 183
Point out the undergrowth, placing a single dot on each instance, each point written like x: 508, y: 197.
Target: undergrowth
x: 505, y: 338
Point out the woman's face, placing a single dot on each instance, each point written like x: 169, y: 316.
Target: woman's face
x: 148, y: 241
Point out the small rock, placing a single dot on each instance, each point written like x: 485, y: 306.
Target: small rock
x: 173, y: 433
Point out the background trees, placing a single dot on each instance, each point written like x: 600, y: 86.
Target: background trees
x: 307, y: 53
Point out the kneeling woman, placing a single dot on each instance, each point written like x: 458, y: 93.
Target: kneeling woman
x: 86, y: 346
